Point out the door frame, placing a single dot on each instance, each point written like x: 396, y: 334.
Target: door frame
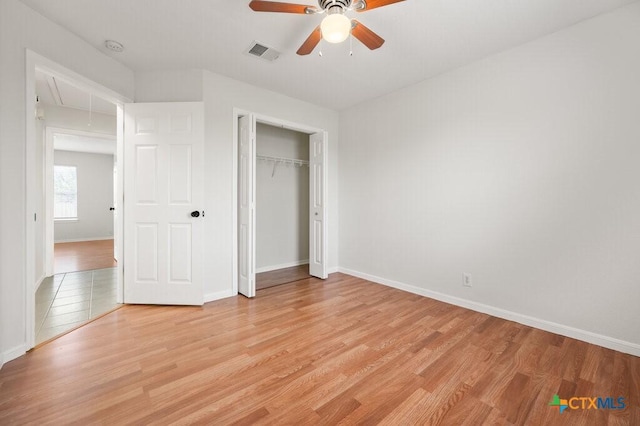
x: 49, y: 236
x: 36, y: 62
x: 276, y: 122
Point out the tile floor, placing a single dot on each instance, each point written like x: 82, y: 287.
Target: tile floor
x: 65, y: 301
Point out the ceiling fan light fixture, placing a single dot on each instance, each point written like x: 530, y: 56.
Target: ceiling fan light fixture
x: 335, y: 28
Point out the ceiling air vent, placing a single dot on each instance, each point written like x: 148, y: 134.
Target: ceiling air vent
x: 261, y: 51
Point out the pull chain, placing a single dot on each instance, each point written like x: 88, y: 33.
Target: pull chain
x: 351, y: 44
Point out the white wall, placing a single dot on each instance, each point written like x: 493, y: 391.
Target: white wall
x: 22, y: 28
x: 75, y: 119
x: 221, y: 95
x: 95, y: 197
x: 169, y: 86
x: 521, y: 169
x: 282, y: 199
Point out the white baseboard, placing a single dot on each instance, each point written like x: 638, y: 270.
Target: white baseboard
x: 210, y: 297
x: 12, y: 354
x: 282, y: 266
x: 563, y: 330
x: 333, y: 270
x: 82, y: 240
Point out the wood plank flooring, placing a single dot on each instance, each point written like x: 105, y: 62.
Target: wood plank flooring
x: 281, y: 276
x: 342, y: 351
x: 83, y: 256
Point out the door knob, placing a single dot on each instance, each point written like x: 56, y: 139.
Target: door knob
x: 195, y: 213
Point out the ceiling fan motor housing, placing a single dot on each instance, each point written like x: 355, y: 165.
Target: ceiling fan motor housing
x: 331, y: 4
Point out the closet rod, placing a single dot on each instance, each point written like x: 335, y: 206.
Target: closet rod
x: 282, y: 160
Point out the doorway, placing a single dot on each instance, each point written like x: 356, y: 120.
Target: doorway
x: 79, y: 156
x: 80, y: 183
x: 282, y: 205
x: 42, y: 284
x: 246, y: 171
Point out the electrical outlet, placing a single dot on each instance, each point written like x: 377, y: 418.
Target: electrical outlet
x: 466, y: 280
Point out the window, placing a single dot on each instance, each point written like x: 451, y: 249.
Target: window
x: 65, y: 192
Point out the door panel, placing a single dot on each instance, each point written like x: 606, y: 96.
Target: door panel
x: 318, y: 206
x: 246, y: 199
x: 163, y: 177
x: 146, y: 174
x: 146, y: 250
x: 180, y: 175
x: 180, y: 253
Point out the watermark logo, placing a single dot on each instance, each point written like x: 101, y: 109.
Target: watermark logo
x: 588, y: 403
x: 560, y: 403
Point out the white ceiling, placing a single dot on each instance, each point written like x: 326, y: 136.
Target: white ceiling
x: 423, y: 38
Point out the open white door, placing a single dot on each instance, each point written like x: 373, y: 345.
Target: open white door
x: 246, y: 201
x: 114, y: 208
x: 163, y: 190
x: 318, y: 206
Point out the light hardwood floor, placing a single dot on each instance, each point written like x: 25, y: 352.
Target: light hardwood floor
x: 83, y: 256
x: 281, y: 276
x: 340, y: 351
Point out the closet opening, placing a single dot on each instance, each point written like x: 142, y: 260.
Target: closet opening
x: 280, y: 222
x: 282, y: 206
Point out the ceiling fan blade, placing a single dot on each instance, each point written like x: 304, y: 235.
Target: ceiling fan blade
x: 373, y: 4
x: 311, y: 42
x: 274, y: 6
x: 366, y: 36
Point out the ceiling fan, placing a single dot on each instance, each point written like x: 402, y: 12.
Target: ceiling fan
x: 335, y: 27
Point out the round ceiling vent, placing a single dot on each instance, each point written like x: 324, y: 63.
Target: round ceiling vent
x: 114, y: 46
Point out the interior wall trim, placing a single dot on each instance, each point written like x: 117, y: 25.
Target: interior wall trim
x: 282, y: 266
x: 12, y: 354
x: 212, y: 297
x: 84, y: 240
x: 552, y: 327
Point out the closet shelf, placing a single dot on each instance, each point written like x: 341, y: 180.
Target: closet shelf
x: 282, y: 160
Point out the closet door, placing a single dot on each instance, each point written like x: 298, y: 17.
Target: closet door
x: 318, y: 205
x: 246, y: 201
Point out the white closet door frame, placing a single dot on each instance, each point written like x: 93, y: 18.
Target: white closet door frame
x: 258, y: 118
